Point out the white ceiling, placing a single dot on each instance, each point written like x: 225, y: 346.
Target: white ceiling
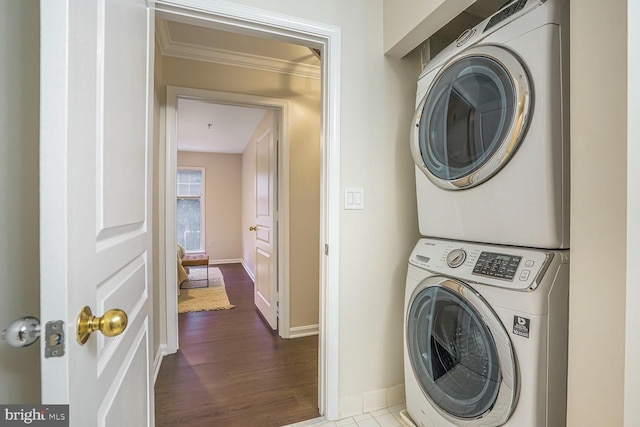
x: 215, y: 128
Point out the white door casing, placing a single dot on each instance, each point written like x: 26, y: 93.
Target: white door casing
x: 95, y: 231
x: 265, y: 286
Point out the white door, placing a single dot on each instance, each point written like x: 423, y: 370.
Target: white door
x: 95, y: 176
x: 265, y: 288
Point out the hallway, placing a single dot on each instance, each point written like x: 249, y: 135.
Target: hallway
x: 232, y: 370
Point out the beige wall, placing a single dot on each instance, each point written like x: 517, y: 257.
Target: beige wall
x: 223, y: 189
x: 304, y: 215
x: 19, y: 247
x: 598, y: 213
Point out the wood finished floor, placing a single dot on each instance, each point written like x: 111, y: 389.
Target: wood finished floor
x: 232, y: 370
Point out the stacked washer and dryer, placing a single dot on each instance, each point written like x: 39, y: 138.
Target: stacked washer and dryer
x: 486, y: 305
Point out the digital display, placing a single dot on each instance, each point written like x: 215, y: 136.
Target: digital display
x: 497, y: 265
x: 505, y: 13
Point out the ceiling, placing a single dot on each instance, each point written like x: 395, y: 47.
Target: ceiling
x: 220, y: 128
x: 209, y: 127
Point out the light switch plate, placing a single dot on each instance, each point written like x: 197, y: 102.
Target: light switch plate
x: 353, y: 198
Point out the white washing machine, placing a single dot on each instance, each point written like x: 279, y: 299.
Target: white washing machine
x: 486, y: 335
x: 490, y: 136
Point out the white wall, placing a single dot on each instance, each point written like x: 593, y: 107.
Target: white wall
x: 19, y: 248
x: 377, y: 99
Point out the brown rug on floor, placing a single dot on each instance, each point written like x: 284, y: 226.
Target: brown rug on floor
x: 203, y: 299
x: 198, y: 278
x: 198, y: 295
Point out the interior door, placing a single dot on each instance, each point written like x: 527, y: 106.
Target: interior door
x: 265, y: 288
x: 95, y: 206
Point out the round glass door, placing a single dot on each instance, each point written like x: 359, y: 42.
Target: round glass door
x: 472, y: 118
x: 454, y: 355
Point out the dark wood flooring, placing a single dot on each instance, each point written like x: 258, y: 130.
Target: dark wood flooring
x: 232, y: 370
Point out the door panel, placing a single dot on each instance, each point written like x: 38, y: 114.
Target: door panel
x: 95, y: 205
x: 266, y: 297
x: 263, y: 273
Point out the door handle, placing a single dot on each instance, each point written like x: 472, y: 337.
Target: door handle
x: 113, y: 322
x: 253, y: 228
x: 22, y: 332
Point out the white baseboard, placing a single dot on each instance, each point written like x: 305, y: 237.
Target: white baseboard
x: 303, y: 331
x: 248, y: 270
x: 351, y: 406
x: 162, y: 351
x: 225, y: 261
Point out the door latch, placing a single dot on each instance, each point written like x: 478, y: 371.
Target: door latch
x: 54, y: 347
x: 25, y: 331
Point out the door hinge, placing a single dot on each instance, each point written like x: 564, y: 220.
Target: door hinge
x: 326, y: 249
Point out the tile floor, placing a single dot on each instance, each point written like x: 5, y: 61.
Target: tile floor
x: 388, y: 417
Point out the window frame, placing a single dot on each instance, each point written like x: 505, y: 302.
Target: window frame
x: 202, y: 199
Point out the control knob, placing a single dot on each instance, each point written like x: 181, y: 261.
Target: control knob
x: 456, y: 258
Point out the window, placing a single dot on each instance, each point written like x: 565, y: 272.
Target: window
x: 190, y: 209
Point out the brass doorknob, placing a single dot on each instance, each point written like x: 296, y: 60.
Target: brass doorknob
x: 113, y: 322
x: 253, y: 228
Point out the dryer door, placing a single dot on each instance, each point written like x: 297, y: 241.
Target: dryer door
x: 472, y: 118
x: 460, y: 353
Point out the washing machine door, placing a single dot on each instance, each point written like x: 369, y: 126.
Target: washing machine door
x: 461, y: 354
x: 472, y: 118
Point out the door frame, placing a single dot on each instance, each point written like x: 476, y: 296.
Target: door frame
x: 227, y: 16
x: 281, y: 107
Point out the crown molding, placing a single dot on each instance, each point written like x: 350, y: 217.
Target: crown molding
x: 190, y: 51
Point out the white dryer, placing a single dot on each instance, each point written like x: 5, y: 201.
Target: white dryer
x: 485, y: 337
x: 490, y: 137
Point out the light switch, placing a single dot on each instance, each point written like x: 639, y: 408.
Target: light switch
x: 353, y: 198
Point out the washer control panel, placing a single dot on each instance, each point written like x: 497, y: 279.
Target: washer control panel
x: 498, y: 265
x: 503, y: 266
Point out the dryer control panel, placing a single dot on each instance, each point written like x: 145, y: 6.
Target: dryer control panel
x: 502, y: 266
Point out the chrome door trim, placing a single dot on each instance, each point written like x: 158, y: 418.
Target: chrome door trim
x: 523, y: 106
x: 509, y: 389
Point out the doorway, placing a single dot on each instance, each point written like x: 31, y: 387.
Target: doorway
x: 325, y: 38
x: 235, y: 211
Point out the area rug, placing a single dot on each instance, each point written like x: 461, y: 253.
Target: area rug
x: 198, y: 278
x: 212, y: 297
